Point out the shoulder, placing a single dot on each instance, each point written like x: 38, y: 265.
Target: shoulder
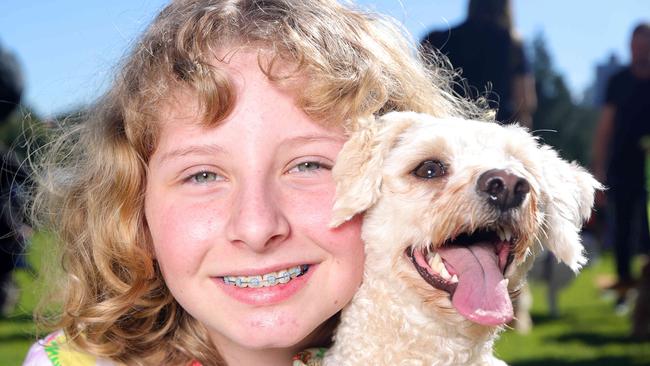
x: 36, y: 356
x: 623, y: 76
x: 435, y: 39
x: 54, y: 350
x: 618, y: 85
x: 442, y: 38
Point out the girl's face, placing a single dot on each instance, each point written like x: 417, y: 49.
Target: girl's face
x: 247, y: 203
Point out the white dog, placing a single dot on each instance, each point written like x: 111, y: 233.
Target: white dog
x: 455, y: 211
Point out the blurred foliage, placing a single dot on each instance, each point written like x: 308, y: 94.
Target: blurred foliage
x: 560, y: 121
x: 22, y: 132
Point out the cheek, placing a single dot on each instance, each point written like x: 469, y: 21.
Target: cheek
x: 181, y: 234
x: 310, y: 209
x: 347, y: 237
x: 311, y: 215
x: 347, y: 250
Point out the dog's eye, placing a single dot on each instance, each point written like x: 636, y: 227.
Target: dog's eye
x: 429, y: 169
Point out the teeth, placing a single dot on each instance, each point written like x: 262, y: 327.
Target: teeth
x: 507, y: 233
x: 268, y: 279
x: 294, y: 272
x: 504, y: 233
x: 435, y: 262
x: 241, y: 282
x: 454, y: 279
x: 229, y: 280
x: 255, y: 281
x: 284, y: 276
x: 502, y: 236
x: 444, y: 273
x: 438, y: 266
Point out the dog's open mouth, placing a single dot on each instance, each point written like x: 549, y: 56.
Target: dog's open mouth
x: 471, y: 269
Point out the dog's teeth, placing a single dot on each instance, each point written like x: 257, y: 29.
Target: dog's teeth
x: 454, y: 279
x: 444, y: 273
x: 507, y: 233
x: 502, y: 235
x: 440, y: 267
x: 436, y: 262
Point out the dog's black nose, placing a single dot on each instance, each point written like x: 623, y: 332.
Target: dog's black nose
x: 503, y: 189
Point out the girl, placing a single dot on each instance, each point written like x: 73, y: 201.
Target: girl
x: 192, y: 205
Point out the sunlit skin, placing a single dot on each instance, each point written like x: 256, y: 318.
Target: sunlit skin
x: 251, y: 195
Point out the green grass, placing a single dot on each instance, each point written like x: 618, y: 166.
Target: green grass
x: 586, y: 333
x: 17, y: 331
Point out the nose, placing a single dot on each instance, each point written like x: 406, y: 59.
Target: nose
x: 257, y: 219
x: 503, y: 189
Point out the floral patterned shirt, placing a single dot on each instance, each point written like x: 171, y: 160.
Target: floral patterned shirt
x: 53, y: 350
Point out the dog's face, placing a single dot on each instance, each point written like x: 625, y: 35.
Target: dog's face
x: 456, y: 209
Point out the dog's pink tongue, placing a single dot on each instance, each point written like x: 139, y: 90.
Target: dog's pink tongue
x: 482, y: 292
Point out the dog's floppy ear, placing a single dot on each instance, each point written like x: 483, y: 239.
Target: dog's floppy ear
x: 567, y: 192
x: 358, y: 168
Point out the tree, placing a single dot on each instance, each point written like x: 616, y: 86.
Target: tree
x: 560, y: 121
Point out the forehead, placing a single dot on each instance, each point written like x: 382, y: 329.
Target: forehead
x: 261, y: 112
x: 462, y: 142
x: 243, y: 72
x: 459, y: 134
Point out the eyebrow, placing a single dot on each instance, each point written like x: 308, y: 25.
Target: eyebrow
x: 207, y: 149
x: 212, y: 149
x: 314, y: 138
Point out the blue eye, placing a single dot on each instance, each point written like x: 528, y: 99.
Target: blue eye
x: 204, y: 177
x: 308, y: 166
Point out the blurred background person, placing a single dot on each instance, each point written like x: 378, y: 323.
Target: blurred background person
x: 11, y: 179
x: 491, y: 58
x: 619, y: 160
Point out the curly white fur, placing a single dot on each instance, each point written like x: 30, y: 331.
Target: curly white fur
x: 396, y: 318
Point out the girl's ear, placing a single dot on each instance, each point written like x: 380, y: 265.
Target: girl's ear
x: 358, y: 168
x: 567, y: 198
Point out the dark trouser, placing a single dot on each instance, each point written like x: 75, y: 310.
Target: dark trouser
x: 630, y: 226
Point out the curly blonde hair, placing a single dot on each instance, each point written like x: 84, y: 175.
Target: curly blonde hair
x: 351, y: 63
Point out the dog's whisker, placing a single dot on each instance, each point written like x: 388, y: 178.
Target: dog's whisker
x: 533, y: 132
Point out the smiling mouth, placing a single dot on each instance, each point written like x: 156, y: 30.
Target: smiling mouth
x: 471, y: 268
x: 268, y: 279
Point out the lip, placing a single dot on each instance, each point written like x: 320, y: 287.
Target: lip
x: 264, y: 296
